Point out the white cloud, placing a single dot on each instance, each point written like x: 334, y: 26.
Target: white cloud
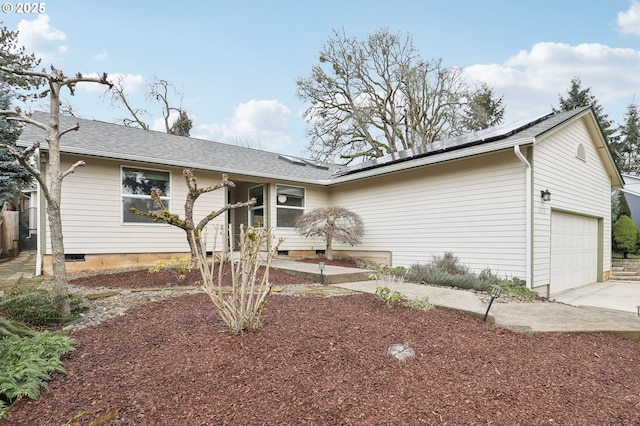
x: 102, y: 56
x: 258, y: 123
x: 629, y: 21
x: 40, y: 38
x: 532, y: 80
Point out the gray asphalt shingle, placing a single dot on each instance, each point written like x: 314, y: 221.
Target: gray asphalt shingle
x: 113, y: 141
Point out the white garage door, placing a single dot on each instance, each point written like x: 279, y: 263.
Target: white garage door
x: 574, y: 251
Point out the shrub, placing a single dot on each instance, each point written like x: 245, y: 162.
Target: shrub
x: 516, y: 286
x: 179, y: 266
x: 390, y: 296
x: 625, y: 235
x: 447, y: 271
x: 38, y: 306
x: 27, y: 363
x: 241, y: 307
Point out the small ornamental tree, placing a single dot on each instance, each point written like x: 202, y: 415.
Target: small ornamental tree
x: 241, y: 307
x: 331, y: 224
x: 625, y: 235
x: 188, y: 224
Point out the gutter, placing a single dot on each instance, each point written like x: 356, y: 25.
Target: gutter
x: 528, y: 223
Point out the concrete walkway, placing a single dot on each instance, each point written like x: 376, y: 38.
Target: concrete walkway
x: 531, y: 317
x: 14, y: 268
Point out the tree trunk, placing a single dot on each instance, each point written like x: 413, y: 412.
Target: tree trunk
x: 54, y: 181
x: 329, y: 251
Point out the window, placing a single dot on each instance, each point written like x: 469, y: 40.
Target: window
x: 136, y: 192
x: 290, y: 205
x: 256, y: 212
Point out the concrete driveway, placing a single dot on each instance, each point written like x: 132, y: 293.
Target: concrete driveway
x: 619, y: 295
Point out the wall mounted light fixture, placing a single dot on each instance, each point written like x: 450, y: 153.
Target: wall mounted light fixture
x: 546, y: 195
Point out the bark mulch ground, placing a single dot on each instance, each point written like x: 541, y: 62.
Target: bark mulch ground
x: 324, y: 361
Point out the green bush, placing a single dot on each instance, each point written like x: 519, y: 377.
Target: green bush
x: 27, y: 363
x: 446, y: 271
x: 179, y: 266
x: 37, y: 306
x: 625, y: 235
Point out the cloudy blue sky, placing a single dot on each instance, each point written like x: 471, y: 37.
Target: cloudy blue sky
x: 236, y: 62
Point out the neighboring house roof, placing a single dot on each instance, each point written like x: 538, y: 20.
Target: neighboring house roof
x: 631, y: 184
x: 106, y: 140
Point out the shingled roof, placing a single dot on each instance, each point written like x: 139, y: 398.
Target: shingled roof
x: 112, y: 141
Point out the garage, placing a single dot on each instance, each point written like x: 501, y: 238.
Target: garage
x: 574, y: 251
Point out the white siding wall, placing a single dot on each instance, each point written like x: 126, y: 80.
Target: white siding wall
x: 582, y: 187
x: 474, y: 208
x: 91, y: 211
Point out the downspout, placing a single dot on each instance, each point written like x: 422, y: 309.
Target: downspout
x: 38, y: 217
x: 528, y: 223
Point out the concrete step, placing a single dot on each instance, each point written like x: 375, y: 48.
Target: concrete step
x: 625, y: 273
x: 617, y: 277
x: 617, y: 268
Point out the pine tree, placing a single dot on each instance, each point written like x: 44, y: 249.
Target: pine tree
x: 483, y: 110
x: 182, y: 126
x: 627, y: 145
x: 578, y: 97
x: 13, y: 177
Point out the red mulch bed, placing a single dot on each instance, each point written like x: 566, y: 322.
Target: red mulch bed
x: 140, y: 279
x: 323, y: 361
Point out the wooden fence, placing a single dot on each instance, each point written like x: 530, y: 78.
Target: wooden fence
x: 9, y: 231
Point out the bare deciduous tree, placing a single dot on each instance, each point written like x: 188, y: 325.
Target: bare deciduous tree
x: 331, y: 224
x: 375, y: 97
x: 160, y: 91
x: 51, y: 184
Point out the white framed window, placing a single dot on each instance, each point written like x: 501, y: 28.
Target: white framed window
x: 257, y: 216
x: 289, y: 205
x: 136, y: 184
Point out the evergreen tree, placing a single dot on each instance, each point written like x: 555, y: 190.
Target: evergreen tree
x: 627, y: 145
x: 15, y: 56
x: 13, y: 177
x: 621, y: 207
x: 483, y: 110
x: 625, y: 235
x: 578, y: 97
x: 182, y: 126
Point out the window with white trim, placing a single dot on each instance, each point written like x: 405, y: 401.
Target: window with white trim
x: 256, y: 211
x: 136, y: 185
x: 289, y: 205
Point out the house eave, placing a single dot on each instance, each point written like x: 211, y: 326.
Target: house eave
x: 153, y: 161
x: 442, y: 157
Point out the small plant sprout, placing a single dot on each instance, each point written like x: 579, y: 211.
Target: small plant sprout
x: 390, y: 296
x: 179, y: 266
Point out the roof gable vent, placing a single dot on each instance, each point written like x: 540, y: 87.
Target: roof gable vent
x: 581, y: 152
